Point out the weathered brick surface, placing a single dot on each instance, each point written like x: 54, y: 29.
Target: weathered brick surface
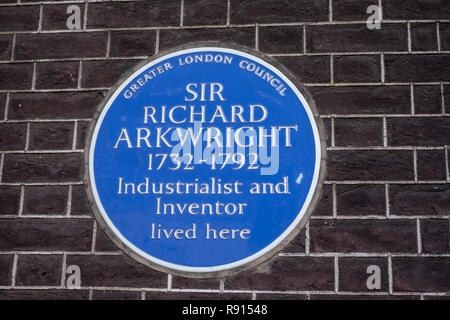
x: 362, y: 99
x: 112, y: 71
x: 431, y: 165
x: 355, y: 37
x: 312, y: 69
x: 420, y: 199
x: 273, y: 11
x: 242, y: 36
x: 133, y: 14
x: 45, y: 200
x: 365, y: 68
x: 415, y: 9
x: 383, y: 96
x: 132, y: 43
x: 63, y: 45
x: 53, y: 105
x: 39, y: 270
x: 358, y: 132
x: 360, y: 200
x: 16, y: 76
x: 427, y: 99
x: 57, y: 75
x: 10, y: 200
x: 435, y: 234
x: 51, y: 135
x: 428, y: 274
x: 116, y: 271
x: 370, y: 165
x: 12, y: 136
x: 419, y: 131
x: 419, y: 68
x: 369, y: 236
x: 353, y: 274
x: 423, y: 37
x: 6, y: 266
x: 287, y: 273
x: 205, y: 12
x: 5, y: 46
x: 46, y: 234
x: 50, y: 167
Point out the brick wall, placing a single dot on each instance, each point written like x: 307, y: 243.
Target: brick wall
x: 383, y: 95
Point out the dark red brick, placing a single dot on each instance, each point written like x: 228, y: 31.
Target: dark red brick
x: 419, y: 199
x: 281, y: 39
x: 39, y: 270
x: 44, y: 294
x: 5, y: 46
x: 444, y: 33
x: 435, y: 235
x: 363, y: 297
x: 116, y: 271
x: 423, y: 37
x: 46, y: 200
x: 279, y: 296
x: 134, y: 14
x: 431, y: 165
x: 46, y: 234
x: 60, y: 45
x: 298, y: 244
x: 437, y: 297
x: 417, y: 68
x: 10, y: 200
x: 37, y: 167
x: 427, y: 99
x: 205, y: 12
x: 2, y: 105
x: 83, y: 127
x: 243, y: 36
x: 57, y: 75
x: 12, y: 136
x: 356, y: 37
x: 418, y: 131
x: 351, y: 10
x: 16, y: 76
x: 105, y: 73
x: 368, y: 236
x: 115, y: 295
x: 6, y: 266
x: 324, y: 205
x: 195, y: 296
x: 447, y: 98
x: 132, y: 43
x: 21, y: 18
x: 54, y: 17
x: 189, y: 283
x: 415, y: 9
x: 353, y: 274
x: 360, y: 200
x: 54, y: 105
x: 287, y: 273
x: 364, y: 68
x: 359, y: 132
x: 362, y: 99
x: 313, y: 69
x: 80, y: 203
x: 370, y: 165
x: 51, y: 135
x: 421, y: 274
x: 103, y: 243
x: 272, y: 11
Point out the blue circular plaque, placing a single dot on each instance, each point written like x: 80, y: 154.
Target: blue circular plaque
x: 205, y: 161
